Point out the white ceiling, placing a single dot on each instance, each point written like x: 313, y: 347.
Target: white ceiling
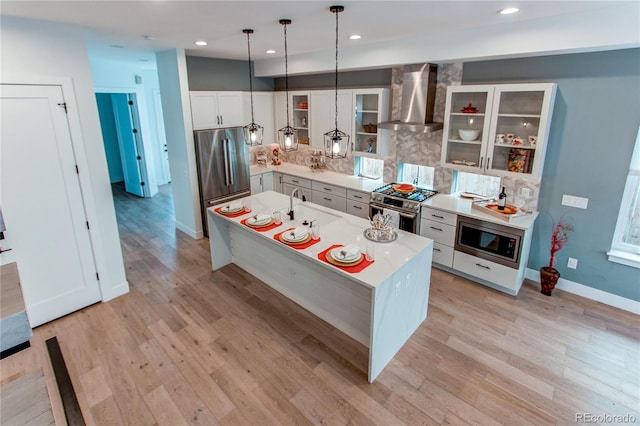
x: 178, y: 23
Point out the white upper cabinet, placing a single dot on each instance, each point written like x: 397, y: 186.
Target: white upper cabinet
x: 263, y: 113
x: 370, y: 107
x: 211, y: 110
x: 498, y: 129
x: 323, y: 114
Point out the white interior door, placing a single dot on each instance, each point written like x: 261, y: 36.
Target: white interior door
x: 42, y: 203
x: 128, y: 139
x: 165, y: 175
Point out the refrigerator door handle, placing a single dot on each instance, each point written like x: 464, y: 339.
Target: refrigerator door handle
x: 230, y: 164
x: 225, y: 154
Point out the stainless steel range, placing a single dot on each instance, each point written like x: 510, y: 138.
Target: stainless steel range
x: 400, y: 203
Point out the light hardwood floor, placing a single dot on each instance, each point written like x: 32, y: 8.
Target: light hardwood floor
x: 192, y: 346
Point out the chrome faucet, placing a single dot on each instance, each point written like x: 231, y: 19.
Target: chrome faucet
x: 293, y: 194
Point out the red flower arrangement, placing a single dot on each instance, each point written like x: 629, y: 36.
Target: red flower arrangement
x: 559, y: 237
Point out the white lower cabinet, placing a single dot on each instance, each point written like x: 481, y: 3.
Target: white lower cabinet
x: 358, y: 203
x: 277, y: 182
x: 495, y: 273
x: 330, y: 196
x: 440, y: 226
x: 256, y: 184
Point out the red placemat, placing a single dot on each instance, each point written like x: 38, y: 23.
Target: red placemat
x: 263, y: 229
x: 351, y: 269
x: 295, y: 246
x: 240, y: 213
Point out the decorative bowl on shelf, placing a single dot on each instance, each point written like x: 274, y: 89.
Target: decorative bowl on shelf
x: 469, y: 109
x: 468, y: 134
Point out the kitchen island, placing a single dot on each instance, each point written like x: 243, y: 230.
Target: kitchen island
x: 380, y: 306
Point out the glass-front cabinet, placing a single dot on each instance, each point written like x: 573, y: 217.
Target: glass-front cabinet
x: 498, y: 129
x: 371, y: 106
x: 300, y: 116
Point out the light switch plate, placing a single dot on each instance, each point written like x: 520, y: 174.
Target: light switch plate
x: 572, y: 263
x: 572, y: 201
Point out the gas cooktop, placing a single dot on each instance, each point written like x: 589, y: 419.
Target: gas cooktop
x: 418, y: 194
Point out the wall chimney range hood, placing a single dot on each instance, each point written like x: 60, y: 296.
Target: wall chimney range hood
x: 418, y: 97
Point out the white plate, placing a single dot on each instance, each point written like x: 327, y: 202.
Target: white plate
x: 335, y: 253
x: 286, y: 236
x: 227, y: 209
x: 253, y: 221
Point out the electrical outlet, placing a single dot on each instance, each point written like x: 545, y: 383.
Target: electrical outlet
x: 577, y: 202
x: 572, y: 263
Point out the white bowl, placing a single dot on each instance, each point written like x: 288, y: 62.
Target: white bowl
x: 468, y: 134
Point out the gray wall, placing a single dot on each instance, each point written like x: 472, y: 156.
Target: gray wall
x: 594, y: 126
x: 350, y: 79
x: 223, y: 74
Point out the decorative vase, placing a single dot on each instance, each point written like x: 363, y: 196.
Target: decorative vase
x: 548, y: 279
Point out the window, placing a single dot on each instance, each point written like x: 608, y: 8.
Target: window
x: 421, y: 176
x: 625, y: 247
x: 488, y: 186
x: 371, y: 168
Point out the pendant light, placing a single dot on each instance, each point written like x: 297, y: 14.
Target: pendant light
x: 253, y: 132
x: 287, y: 136
x: 336, y: 142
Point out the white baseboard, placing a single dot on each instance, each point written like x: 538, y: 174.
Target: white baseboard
x: 115, y: 291
x: 620, y: 302
x: 196, y: 235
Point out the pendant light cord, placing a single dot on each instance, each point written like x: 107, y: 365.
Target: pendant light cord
x: 250, y: 77
x: 286, y: 72
x: 336, y: 12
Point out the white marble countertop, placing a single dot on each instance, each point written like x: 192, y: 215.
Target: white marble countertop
x: 449, y: 202
x: 454, y: 203
x: 335, y: 228
x: 325, y: 176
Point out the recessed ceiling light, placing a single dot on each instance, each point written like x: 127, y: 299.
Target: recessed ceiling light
x: 508, y: 11
x: 355, y: 37
x: 200, y: 43
x: 149, y: 37
x: 270, y: 51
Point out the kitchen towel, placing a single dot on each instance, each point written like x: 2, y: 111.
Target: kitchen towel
x: 351, y: 269
x: 297, y: 246
x: 240, y: 213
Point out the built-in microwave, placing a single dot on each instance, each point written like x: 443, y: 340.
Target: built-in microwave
x: 490, y: 241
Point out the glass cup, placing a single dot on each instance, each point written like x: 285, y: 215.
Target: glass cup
x: 246, y: 202
x: 370, y: 251
x: 315, y: 231
x: 277, y: 217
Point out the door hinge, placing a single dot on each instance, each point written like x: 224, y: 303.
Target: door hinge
x: 88, y: 225
x: 138, y: 158
x: 135, y: 130
x: 97, y: 276
x: 63, y: 105
x: 141, y: 183
x: 130, y: 102
x: 77, y: 170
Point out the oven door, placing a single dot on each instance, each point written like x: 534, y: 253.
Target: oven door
x: 401, y: 220
x: 489, y: 241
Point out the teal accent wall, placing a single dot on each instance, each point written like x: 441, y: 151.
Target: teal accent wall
x: 223, y: 74
x: 593, y: 130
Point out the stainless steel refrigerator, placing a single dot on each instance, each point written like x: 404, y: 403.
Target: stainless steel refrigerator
x: 222, y: 158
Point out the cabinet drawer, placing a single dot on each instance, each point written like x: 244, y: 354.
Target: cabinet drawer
x: 438, y: 232
x: 439, y: 216
x: 488, y: 271
x: 359, y: 196
x: 357, y: 208
x: 329, y: 189
x: 443, y: 254
x: 329, y: 200
x: 296, y: 181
